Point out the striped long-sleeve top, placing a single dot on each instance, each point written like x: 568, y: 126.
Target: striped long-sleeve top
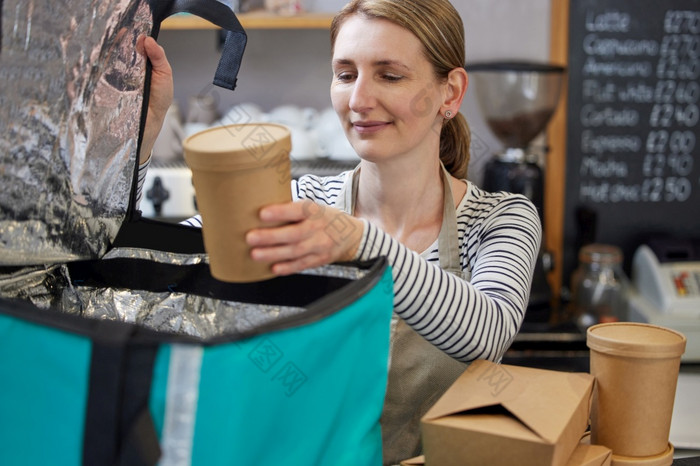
x: 499, y: 238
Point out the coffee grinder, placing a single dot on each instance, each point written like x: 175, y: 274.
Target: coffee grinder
x: 517, y: 100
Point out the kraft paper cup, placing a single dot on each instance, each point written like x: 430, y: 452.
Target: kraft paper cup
x: 236, y: 170
x: 636, y: 369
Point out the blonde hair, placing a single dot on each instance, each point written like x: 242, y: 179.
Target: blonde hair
x: 439, y: 28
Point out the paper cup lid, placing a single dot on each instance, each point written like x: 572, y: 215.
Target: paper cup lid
x: 251, y: 144
x: 664, y: 459
x: 635, y: 340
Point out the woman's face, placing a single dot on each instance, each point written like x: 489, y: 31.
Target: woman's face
x: 385, y: 91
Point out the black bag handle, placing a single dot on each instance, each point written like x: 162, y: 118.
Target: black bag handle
x: 219, y: 14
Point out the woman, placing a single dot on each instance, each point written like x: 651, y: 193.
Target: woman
x: 462, y: 259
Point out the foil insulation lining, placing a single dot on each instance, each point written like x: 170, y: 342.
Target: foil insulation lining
x: 71, y: 94
x: 51, y: 288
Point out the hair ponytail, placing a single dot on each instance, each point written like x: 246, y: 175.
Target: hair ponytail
x: 455, y: 139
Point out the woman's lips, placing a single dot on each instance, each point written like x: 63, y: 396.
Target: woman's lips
x: 368, y: 127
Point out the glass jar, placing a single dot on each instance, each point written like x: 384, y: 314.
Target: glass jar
x: 599, y: 286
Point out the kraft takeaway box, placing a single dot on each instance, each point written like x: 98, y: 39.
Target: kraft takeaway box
x: 417, y: 461
x: 584, y: 455
x: 590, y: 455
x: 497, y: 414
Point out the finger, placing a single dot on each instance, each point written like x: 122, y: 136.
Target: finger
x: 156, y: 54
x: 289, y: 212
x: 279, y: 253
x: 292, y: 250
x: 139, y: 44
x: 297, y: 265
x: 286, y: 234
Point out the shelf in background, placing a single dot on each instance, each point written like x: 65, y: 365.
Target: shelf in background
x: 253, y: 20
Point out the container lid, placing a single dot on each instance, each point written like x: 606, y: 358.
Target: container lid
x: 237, y: 146
x: 664, y: 459
x: 600, y: 254
x: 633, y: 339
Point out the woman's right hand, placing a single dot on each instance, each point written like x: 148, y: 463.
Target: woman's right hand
x: 160, y: 94
x: 310, y: 235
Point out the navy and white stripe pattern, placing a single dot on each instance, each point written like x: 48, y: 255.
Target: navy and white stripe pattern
x: 499, y: 239
x: 195, y: 221
x: 143, y: 169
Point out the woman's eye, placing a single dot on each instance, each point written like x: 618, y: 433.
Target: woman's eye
x: 392, y: 77
x: 344, y: 77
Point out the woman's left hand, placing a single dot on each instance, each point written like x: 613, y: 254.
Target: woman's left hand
x: 311, y: 235
x: 161, y: 92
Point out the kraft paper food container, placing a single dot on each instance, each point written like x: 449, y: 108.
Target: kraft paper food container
x: 236, y: 170
x: 636, y: 369
x: 417, y: 461
x: 664, y: 459
x: 497, y: 414
x: 590, y: 455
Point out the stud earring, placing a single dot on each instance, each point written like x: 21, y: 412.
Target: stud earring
x: 448, y: 114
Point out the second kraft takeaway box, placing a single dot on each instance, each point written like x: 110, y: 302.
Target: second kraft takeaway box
x: 498, y: 414
x: 584, y: 455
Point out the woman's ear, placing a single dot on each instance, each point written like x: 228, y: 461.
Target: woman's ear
x: 455, y: 89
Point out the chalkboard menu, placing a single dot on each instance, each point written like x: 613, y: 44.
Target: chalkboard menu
x: 633, y: 123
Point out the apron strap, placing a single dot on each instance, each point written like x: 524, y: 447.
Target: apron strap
x: 448, y: 239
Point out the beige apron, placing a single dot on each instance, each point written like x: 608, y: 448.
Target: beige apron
x: 419, y: 373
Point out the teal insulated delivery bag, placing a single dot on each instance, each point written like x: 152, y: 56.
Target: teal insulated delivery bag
x: 304, y: 389
x: 117, y: 347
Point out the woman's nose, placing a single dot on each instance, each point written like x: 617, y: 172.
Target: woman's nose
x: 363, y: 95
